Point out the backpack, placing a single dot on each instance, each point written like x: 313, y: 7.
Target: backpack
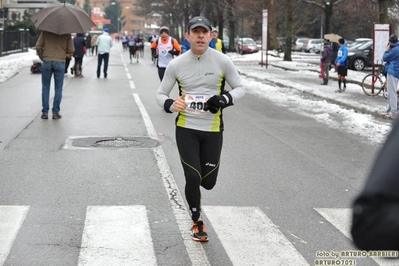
x: 36, y: 68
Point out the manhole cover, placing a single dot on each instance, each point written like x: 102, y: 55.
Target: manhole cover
x: 118, y: 142
x: 109, y: 142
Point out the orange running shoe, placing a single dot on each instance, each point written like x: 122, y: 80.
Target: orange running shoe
x: 198, y: 232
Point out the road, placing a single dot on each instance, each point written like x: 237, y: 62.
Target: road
x: 283, y: 194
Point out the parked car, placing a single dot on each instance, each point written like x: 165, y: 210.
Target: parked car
x: 281, y: 43
x: 297, y: 44
x: 313, y: 45
x: 360, y: 57
x: 246, y: 46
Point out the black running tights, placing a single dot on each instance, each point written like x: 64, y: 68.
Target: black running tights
x: 200, y: 157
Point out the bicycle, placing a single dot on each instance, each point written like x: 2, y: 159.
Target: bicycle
x: 373, y: 84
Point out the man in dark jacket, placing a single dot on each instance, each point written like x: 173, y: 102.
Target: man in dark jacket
x: 325, y: 62
x: 375, y: 223
x: 80, y: 45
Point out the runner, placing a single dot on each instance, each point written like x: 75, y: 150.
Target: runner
x: 139, y: 45
x: 201, y: 74
x: 164, y: 48
x: 130, y: 45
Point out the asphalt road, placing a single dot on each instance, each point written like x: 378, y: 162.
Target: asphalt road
x: 284, y: 189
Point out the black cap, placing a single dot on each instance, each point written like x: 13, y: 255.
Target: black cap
x: 199, y: 22
x: 341, y: 40
x: 393, y: 38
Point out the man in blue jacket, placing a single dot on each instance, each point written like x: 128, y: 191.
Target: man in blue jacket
x: 342, y: 64
x: 391, y: 56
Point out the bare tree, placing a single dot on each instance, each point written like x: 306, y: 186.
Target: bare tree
x: 327, y: 7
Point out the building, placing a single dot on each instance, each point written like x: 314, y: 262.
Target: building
x: 11, y: 10
x: 14, y: 9
x: 133, y: 21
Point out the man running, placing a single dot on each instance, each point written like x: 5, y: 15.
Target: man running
x: 201, y: 74
x: 164, y: 48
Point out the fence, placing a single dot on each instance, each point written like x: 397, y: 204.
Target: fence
x: 16, y: 41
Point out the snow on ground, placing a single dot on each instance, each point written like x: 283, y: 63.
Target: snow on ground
x: 331, y: 114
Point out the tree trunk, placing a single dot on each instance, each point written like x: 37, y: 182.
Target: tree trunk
x: 328, y: 12
x: 272, y: 21
x: 232, y: 21
x: 383, y: 6
x: 288, y: 32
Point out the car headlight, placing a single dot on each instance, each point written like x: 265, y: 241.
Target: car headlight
x: 351, y: 53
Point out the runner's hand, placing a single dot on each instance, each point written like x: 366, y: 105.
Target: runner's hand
x: 180, y: 103
x: 210, y: 108
x: 217, y: 101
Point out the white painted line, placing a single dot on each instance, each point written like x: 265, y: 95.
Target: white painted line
x: 11, y: 219
x: 132, y: 84
x: 195, y: 251
x: 126, y: 69
x: 250, y: 238
x: 129, y: 76
x: 116, y: 235
x: 341, y: 218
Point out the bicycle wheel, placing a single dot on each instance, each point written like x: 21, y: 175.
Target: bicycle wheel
x: 372, y: 84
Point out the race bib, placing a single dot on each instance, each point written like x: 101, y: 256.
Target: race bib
x: 195, y: 103
x: 131, y: 43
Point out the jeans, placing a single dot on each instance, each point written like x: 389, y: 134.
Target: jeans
x: 392, y: 102
x: 48, y: 68
x: 104, y: 56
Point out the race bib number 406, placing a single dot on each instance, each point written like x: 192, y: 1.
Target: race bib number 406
x: 195, y: 103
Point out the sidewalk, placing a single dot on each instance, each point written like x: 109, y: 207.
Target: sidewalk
x: 304, y: 76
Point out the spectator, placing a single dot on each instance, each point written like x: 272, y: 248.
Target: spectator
x: 88, y: 43
x: 80, y: 49
x: 375, y: 218
x: 104, y: 44
x: 94, y: 44
x: 325, y: 62
x: 342, y: 64
x: 52, y: 50
x: 391, y: 56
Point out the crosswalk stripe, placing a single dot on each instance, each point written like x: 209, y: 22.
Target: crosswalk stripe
x: 254, y: 240
x: 341, y: 218
x: 11, y: 219
x: 116, y: 235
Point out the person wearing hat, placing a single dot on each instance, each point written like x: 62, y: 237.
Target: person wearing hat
x: 104, y: 44
x: 201, y: 73
x: 391, y: 57
x: 164, y: 48
x: 342, y: 64
x: 325, y: 62
x: 219, y: 46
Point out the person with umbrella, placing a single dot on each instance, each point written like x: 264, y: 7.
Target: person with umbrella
x: 53, y: 46
x: 52, y: 50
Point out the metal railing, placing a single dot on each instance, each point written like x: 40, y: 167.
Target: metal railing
x: 16, y: 41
